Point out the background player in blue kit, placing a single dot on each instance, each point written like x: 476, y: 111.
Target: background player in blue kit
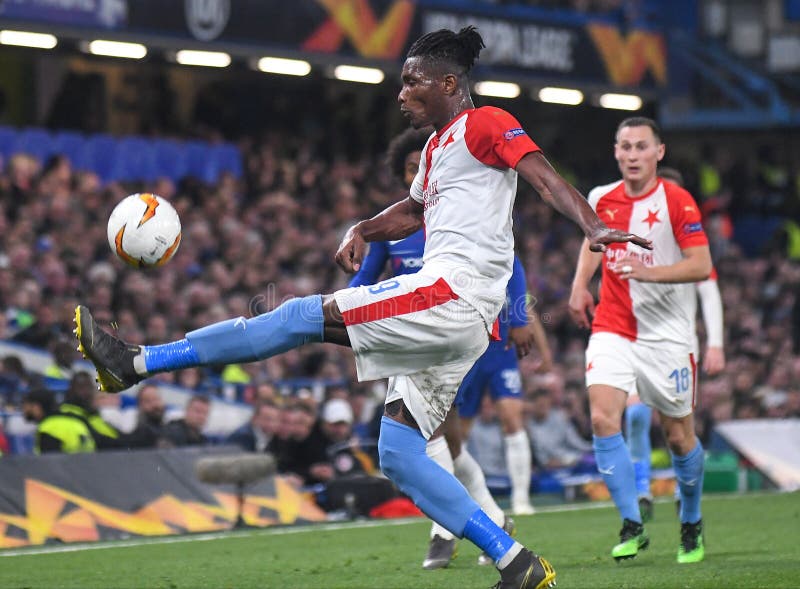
x: 497, y: 370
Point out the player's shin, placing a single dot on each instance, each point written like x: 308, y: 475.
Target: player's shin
x: 518, y: 460
x: 294, y: 323
x: 615, y: 465
x: 434, y: 490
x: 438, y: 451
x: 689, y: 472
x: 637, y: 425
x: 469, y: 473
x: 438, y: 493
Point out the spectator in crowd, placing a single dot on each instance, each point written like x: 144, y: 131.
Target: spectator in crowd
x: 259, y: 434
x: 79, y: 401
x: 556, y: 443
x: 63, y: 359
x: 55, y: 431
x: 343, y: 452
x: 149, y: 420
x: 188, y: 430
x: 14, y: 380
x: 307, y: 448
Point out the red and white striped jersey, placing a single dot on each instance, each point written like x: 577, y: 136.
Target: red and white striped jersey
x: 467, y: 184
x: 646, y: 311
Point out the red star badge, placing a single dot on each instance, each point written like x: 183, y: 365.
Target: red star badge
x: 589, y: 366
x: 651, y: 219
x: 448, y: 141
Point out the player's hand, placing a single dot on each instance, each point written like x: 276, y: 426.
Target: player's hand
x: 545, y: 365
x: 602, y: 237
x: 714, y: 361
x: 351, y: 251
x: 523, y: 338
x: 631, y: 268
x: 581, y: 307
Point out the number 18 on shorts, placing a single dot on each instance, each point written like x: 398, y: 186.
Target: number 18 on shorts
x: 663, y: 377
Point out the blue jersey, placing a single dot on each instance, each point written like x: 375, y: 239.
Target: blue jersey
x: 405, y: 257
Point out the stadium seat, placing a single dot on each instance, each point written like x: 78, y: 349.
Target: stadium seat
x: 72, y: 145
x: 229, y: 159
x: 134, y: 160
x: 201, y: 162
x: 169, y: 159
x: 100, y: 156
x: 36, y: 142
x: 8, y: 137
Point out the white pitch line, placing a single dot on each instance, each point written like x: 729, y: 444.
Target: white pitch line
x: 300, y: 529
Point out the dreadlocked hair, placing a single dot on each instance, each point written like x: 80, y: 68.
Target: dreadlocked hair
x: 399, y: 148
x: 461, y: 48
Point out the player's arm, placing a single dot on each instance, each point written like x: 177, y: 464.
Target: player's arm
x: 581, y: 301
x: 694, y: 267
x: 542, y: 345
x: 372, y: 266
x: 525, y: 329
x: 711, y: 305
x: 518, y: 333
x: 395, y: 222
x: 563, y: 197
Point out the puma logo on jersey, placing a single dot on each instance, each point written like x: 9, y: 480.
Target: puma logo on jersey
x: 611, y: 213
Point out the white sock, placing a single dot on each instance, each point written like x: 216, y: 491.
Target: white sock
x: 469, y: 472
x: 518, y: 462
x: 515, y: 549
x: 439, y: 452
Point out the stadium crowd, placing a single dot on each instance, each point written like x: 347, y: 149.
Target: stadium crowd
x: 249, y: 243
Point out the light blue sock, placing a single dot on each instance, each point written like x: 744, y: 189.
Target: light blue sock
x: 689, y: 472
x: 434, y: 490
x: 296, y: 322
x: 614, y: 463
x: 637, y: 428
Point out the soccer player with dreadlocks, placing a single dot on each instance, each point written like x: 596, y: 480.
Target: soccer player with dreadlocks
x: 422, y: 331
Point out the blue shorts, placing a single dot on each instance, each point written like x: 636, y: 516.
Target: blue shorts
x: 497, y: 370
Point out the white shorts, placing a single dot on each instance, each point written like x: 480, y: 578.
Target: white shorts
x: 415, y: 329
x: 663, y: 377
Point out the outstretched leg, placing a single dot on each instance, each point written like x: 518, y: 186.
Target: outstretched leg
x: 294, y: 323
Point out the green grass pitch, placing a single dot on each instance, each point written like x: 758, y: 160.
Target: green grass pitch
x: 751, y: 541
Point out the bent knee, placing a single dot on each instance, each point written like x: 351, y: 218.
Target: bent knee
x: 604, y: 424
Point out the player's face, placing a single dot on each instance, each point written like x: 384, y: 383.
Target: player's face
x: 421, y: 97
x: 411, y: 167
x: 638, y: 152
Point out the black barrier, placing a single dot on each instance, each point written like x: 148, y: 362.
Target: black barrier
x: 112, y: 495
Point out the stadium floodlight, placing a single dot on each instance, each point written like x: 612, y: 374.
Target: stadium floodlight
x: 352, y: 73
x: 280, y: 65
x: 497, y: 89
x: 117, y: 49
x: 28, y: 39
x: 555, y: 95
x: 203, y: 58
x: 621, y: 101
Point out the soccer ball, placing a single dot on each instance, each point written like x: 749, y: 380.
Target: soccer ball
x: 144, y: 230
